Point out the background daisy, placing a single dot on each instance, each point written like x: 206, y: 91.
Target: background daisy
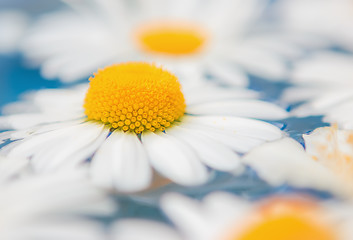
x: 224, y: 216
x: 195, y: 38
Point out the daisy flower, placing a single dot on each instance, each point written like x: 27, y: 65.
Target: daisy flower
x: 225, y: 216
x: 190, y: 37
x: 323, y: 82
x: 135, y: 117
x: 49, y: 206
x: 326, y: 19
x: 325, y: 164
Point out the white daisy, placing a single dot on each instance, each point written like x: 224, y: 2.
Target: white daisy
x: 190, y: 37
x: 324, y: 81
x: 325, y: 164
x: 49, y: 207
x: 327, y: 19
x: 135, y: 117
x: 225, y: 216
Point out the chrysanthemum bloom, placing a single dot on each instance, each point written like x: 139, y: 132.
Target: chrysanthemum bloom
x: 329, y: 20
x: 325, y: 164
x: 224, y: 216
x: 51, y: 207
x: 190, y: 37
x: 135, y: 116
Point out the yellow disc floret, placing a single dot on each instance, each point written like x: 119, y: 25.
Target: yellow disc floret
x: 288, y: 227
x: 171, y: 38
x: 284, y: 219
x: 134, y: 97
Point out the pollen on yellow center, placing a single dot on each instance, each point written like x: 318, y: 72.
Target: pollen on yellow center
x: 171, y: 38
x: 288, y: 220
x: 134, y: 97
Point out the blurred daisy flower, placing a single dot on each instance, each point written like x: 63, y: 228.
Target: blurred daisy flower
x: 330, y: 20
x: 135, y: 117
x: 196, y: 38
x: 49, y: 206
x: 323, y: 83
x: 326, y: 164
x: 224, y: 216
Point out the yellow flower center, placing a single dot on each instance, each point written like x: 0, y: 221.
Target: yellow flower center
x: 171, y: 38
x: 284, y: 219
x: 287, y: 227
x: 134, y: 97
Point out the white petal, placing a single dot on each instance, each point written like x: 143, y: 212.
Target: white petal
x: 26, y: 120
x: 285, y: 162
x: 174, y: 159
x: 276, y: 43
x: 239, y: 126
x: 10, y: 167
x: 26, y: 147
x: 325, y: 68
x: 138, y: 229
x: 341, y: 114
x: 20, y: 134
x: 240, y: 108
x: 299, y: 94
x: 12, y: 27
x: 210, y: 93
x: 223, y: 206
x: 56, y: 229
x: 211, y: 152
x: 331, y: 102
x: 71, y: 67
x: 237, y: 143
x: 185, y: 213
x: 70, y: 150
x: 61, y: 148
x: 228, y: 74
x: 221, y: 13
x: 46, y: 101
x: 54, y: 193
x: 259, y: 62
x: 122, y: 162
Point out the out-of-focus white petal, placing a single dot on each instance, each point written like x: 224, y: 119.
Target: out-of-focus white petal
x: 228, y: 74
x: 11, y: 167
x: 285, y: 162
x: 329, y: 69
x: 259, y: 62
x: 12, y: 28
x: 186, y: 214
x: 138, y: 229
